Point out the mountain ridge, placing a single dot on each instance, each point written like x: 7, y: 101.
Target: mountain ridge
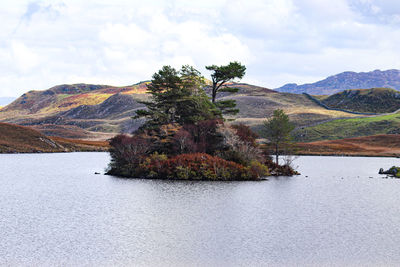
x: 345, y: 81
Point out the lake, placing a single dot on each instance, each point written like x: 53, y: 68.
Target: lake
x: 55, y: 211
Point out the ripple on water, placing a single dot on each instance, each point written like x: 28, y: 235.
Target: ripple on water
x: 55, y: 211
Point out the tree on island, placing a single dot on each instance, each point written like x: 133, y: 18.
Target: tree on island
x: 177, y: 97
x: 220, y: 76
x: 185, y: 136
x: 277, y: 130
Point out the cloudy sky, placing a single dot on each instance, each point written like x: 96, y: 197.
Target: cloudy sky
x: 121, y: 42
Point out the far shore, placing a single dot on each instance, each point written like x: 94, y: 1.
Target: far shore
x: 309, y: 153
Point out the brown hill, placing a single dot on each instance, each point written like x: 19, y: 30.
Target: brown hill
x: 99, y: 111
x: 386, y: 145
x: 20, y: 139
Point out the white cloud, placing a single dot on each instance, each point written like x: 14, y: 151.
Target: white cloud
x: 24, y: 58
x: 44, y: 43
x: 124, y: 35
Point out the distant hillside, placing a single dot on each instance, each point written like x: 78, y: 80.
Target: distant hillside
x: 387, y: 145
x: 80, y: 111
x: 64, y: 97
x: 375, y: 100
x: 349, y: 128
x: 20, y: 139
x: 347, y: 80
x: 98, y: 112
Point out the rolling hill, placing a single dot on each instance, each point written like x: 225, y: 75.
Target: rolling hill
x: 20, y: 139
x: 77, y: 111
x: 375, y: 100
x: 98, y: 112
x: 349, y: 128
x: 347, y: 80
x: 57, y: 117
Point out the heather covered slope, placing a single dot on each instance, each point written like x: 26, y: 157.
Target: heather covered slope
x: 20, y: 139
x: 255, y: 107
x: 347, y: 80
x: 14, y: 138
x: 84, y: 111
x: 375, y: 100
x: 65, y: 97
x: 99, y: 111
x: 386, y: 145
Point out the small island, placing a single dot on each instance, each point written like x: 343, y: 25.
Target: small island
x: 185, y: 135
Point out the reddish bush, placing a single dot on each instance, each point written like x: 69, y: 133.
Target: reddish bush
x: 200, y: 166
x: 184, y: 142
x: 144, y: 155
x: 127, y: 152
x: 245, y: 134
x: 205, y: 136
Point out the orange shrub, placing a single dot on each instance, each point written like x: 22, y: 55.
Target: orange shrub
x: 199, y: 166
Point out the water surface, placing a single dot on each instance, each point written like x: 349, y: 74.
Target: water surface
x: 55, y: 211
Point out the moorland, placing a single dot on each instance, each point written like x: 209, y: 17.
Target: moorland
x: 98, y: 112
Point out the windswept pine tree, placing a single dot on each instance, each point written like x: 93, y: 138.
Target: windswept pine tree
x: 220, y: 76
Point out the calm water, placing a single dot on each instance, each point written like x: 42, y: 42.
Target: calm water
x: 55, y: 211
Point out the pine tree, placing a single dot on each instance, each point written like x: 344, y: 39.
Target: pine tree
x: 220, y: 76
x: 177, y: 97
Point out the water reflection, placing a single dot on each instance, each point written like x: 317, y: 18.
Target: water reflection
x: 55, y: 211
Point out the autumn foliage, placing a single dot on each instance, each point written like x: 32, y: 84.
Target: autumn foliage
x: 196, y: 166
x: 185, y: 136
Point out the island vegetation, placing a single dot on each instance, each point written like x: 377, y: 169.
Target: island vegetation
x: 185, y: 135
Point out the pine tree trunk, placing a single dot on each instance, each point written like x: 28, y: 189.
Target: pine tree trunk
x: 214, y: 92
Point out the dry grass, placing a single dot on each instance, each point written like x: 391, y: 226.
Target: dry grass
x: 14, y: 138
x: 377, y: 145
x: 82, y: 144
x: 20, y: 139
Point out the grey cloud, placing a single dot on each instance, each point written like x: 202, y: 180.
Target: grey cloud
x: 52, y: 10
x: 37, y: 7
x: 377, y: 11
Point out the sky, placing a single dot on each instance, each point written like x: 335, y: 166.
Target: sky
x: 121, y: 42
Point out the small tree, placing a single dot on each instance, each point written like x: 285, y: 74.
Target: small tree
x: 220, y: 76
x: 277, y: 130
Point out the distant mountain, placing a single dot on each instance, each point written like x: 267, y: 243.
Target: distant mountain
x: 347, y: 80
x: 375, y: 100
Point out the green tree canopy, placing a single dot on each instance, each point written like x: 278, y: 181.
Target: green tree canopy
x: 177, y: 97
x: 277, y: 130
x: 220, y: 76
